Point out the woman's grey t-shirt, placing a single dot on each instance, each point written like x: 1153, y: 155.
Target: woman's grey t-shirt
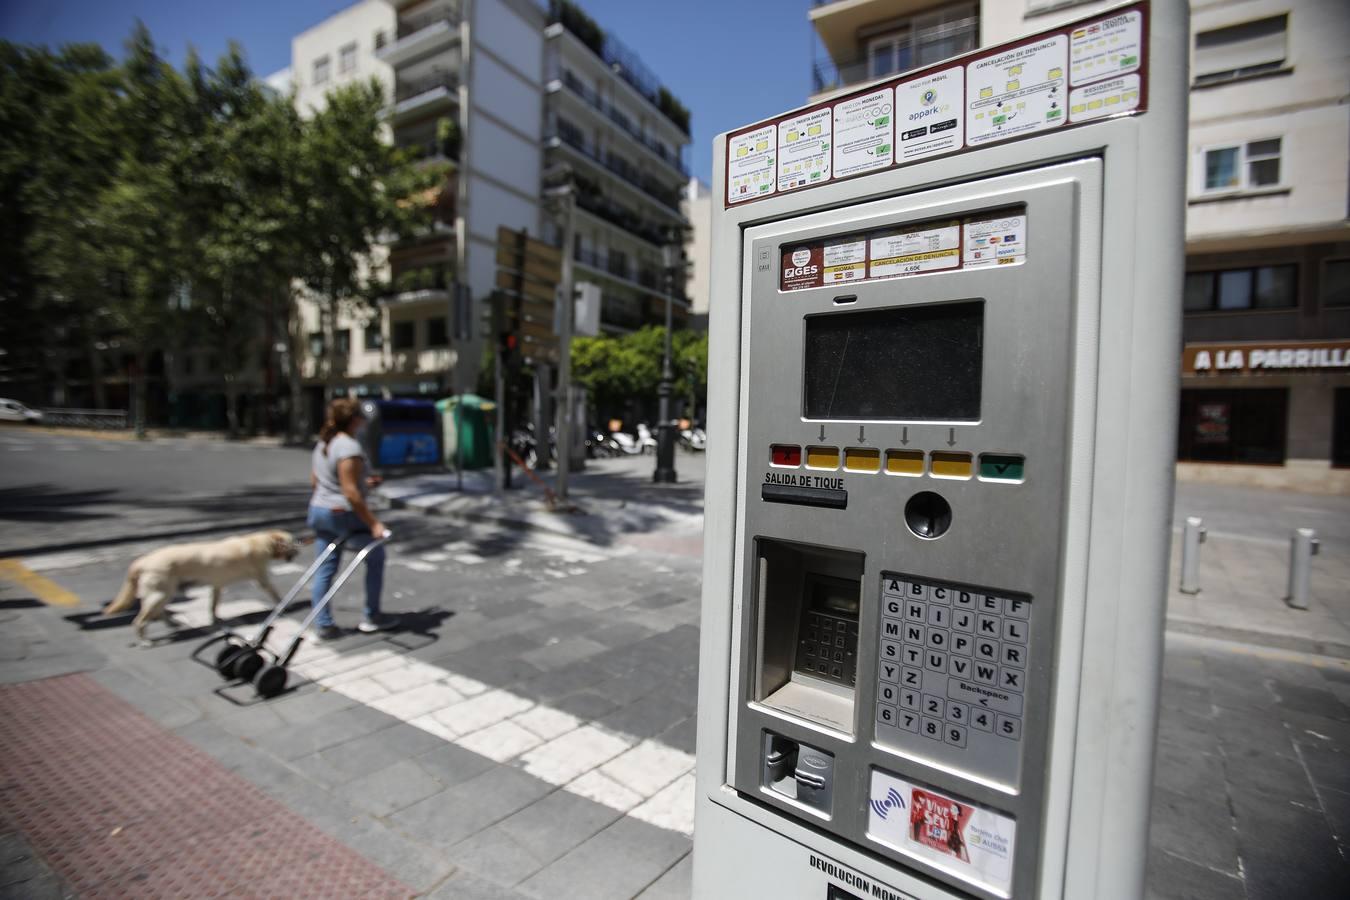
x: 324, y: 463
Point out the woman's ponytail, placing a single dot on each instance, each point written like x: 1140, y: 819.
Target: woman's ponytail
x: 341, y: 411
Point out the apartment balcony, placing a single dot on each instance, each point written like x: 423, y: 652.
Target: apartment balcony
x: 905, y: 35
x: 575, y: 141
x: 423, y: 284
x: 618, y: 270
x: 663, y: 154
x: 590, y: 200
x: 422, y: 96
x: 421, y: 34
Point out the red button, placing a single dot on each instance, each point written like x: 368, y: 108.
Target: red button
x: 786, y: 455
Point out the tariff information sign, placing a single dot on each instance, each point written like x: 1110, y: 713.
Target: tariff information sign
x: 954, y: 835
x: 1072, y: 75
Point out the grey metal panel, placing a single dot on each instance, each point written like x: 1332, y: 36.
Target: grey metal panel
x: 1029, y: 317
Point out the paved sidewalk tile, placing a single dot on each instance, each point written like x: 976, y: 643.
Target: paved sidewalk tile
x: 119, y: 807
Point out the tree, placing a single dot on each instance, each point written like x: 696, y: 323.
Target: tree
x: 616, y: 370
x: 353, y: 191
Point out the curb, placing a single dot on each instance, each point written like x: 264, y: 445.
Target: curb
x: 1331, y: 649
x: 140, y: 536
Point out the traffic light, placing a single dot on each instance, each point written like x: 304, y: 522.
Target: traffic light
x: 508, y: 348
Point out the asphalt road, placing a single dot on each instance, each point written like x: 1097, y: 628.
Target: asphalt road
x: 64, y: 492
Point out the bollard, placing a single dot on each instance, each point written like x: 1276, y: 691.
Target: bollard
x: 1303, y: 546
x: 1192, y: 536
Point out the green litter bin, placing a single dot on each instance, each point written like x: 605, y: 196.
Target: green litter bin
x: 466, y: 429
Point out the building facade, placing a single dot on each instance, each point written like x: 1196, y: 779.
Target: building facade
x: 1265, y: 393
x: 622, y: 135
x: 501, y: 91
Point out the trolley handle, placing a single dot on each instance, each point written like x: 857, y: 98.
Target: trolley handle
x: 285, y: 604
x: 332, y: 591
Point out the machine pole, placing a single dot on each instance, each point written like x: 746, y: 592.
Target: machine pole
x: 665, y: 428
x: 566, y: 312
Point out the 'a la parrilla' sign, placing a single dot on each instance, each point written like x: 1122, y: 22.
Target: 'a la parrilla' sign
x: 1273, y: 357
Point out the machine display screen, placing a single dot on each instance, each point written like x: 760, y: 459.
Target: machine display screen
x: 909, y: 362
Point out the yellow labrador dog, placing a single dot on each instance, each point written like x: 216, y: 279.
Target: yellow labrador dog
x: 156, y: 576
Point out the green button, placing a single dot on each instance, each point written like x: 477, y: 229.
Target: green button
x: 997, y: 467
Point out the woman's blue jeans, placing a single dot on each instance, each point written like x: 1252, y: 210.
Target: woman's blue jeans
x: 331, y: 525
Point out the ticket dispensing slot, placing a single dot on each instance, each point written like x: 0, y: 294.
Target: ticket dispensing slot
x: 808, y: 602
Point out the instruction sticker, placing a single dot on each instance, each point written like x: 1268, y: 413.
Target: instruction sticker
x: 804, y: 150
x: 845, y: 261
x: 928, y: 114
x: 1107, y: 48
x: 996, y: 240
x: 1104, y: 99
x: 863, y: 133
x: 750, y: 164
x: 955, y: 835
x: 912, y: 252
x: 1017, y: 92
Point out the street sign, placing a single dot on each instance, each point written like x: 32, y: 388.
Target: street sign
x: 528, y: 273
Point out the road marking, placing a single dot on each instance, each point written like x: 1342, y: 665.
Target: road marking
x: 46, y: 590
x: 645, y: 779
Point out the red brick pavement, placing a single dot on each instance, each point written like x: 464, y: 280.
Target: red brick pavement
x: 121, y: 808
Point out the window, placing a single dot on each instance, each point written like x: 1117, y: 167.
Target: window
x: 437, y: 336
x: 321, y: 69
x: 342, y: 338
x: 1249, y: 166
x: 899, y: 46
x: 1336, y: 283
x: 1238, y: 51
x: 316, y: 344
x: 1239, y: 425
x: 347, y: 57
x: 404, y: 335
x: 374, y: 337
x: 1263, y: 287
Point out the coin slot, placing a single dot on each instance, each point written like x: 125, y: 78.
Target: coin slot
x: 928, y: 515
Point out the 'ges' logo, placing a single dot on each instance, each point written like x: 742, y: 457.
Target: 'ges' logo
x: 799, y: 267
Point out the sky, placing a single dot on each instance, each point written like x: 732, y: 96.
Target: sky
x: 731, y: 62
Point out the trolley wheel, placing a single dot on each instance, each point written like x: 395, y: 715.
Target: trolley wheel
x: 270, y: 681
x: 246, y: 664
x: 225, y: 659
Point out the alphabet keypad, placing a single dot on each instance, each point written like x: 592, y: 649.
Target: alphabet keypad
x: 952, y: 669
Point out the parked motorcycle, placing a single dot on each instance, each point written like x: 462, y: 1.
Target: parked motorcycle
x: 693, y: 439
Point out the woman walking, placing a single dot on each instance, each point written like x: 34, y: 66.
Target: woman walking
x: 339, y: 474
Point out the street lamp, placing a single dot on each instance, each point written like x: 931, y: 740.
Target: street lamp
x: 665, y: 429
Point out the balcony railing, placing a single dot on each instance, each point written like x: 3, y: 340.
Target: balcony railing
x: 596, y: 102
x: 415, y: 22
x: 620, y: 60
x: 408, y: 89
x: 576, y: 139
x: 594, y: 202
x: 931, y: 43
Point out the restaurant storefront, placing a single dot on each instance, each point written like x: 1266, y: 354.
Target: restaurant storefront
x: 1268, y: 413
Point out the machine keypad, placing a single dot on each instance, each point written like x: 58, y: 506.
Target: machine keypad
x: 952, y: 665
x: 827, y: 647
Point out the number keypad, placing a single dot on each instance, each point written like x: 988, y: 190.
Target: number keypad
x: 953, y: 668
x: 827, y: 647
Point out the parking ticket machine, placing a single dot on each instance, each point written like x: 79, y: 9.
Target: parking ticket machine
x: 945, y: 315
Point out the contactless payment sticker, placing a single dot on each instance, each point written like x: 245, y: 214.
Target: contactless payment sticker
x: 804, y: 150
x: 863, y: 130
x: 1107, y: 48
x: 750, y: 164
x: 1017, y: 92
x: 968, y: 841
x: 928, y: 114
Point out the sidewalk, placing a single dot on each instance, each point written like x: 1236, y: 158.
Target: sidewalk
x: 1244, y: 564
x: 614, y: 500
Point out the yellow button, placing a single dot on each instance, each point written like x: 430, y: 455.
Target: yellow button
x: 950, y: 465
x: 904, y: 462
x: 862, y: 459
x: 822, y: 457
